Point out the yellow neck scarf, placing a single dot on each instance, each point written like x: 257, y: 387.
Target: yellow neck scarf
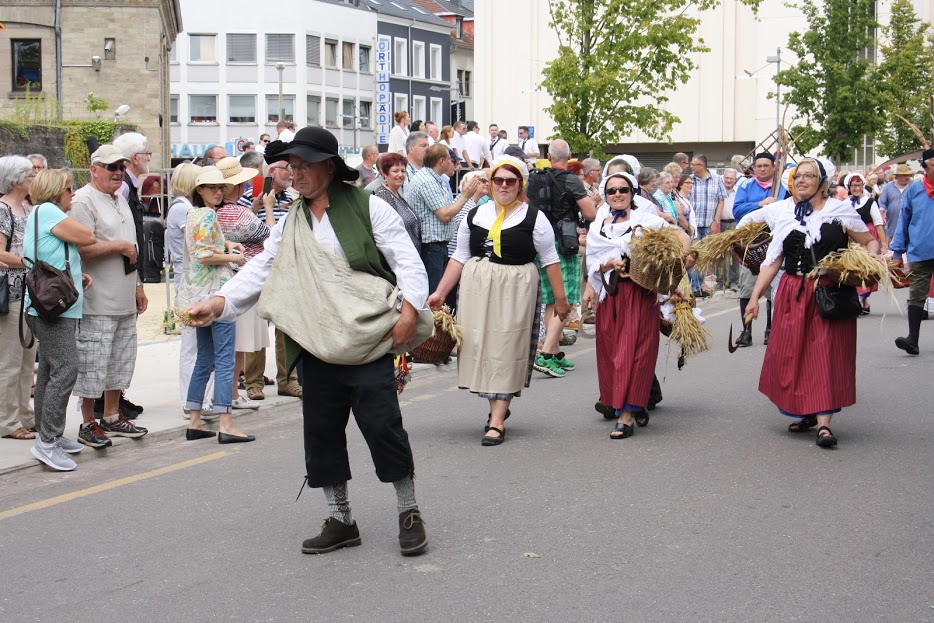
x: 497, y: 229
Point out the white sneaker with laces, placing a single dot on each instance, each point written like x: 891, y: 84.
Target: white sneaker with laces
x: 244, y: 403
x: 52, y: 455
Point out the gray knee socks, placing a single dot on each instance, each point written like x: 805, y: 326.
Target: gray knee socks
x: 405, y: 494
x: 338, y: 502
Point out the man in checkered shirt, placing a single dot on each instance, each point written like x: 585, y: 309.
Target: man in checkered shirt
x: 707, y: 196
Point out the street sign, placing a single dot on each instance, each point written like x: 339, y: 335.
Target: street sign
x: 383, y: 71
x: 531, y: 131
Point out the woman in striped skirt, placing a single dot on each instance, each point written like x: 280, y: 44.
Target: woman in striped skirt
x: 627, y: 314
x: 809, y: 370
x: 500, y: 298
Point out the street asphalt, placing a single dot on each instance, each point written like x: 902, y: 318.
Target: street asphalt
x: 712, y: 513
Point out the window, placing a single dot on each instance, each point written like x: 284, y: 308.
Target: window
x: 330, y: 53
x: 173, y: 109
x: 418, y: 107
x: 400, y: 57
x: 203, y: 108
x: 241, y: 48
x: 314, y: 110
x: 418, y: 59
x: 434, y: 69
x: 242, y: 109
x: 313, y: 50
x: 330, y: 112
x: 365, y: 59
x: 349, y: 114
x: 463, y: 82
x: 365, y: 110
x: 400, y: 102
x: 348, y: 56
x: 435, y: 114
x: 201, y: 49
x: 459, y: 27
x: 280, y: 48
x: 272, y: 108
x: 27, y: 64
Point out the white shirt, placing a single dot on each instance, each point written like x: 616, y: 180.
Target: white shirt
x: 543, y: 236
x: 286, y: 136
x: 477, y: 148
x: 727, y: 212
x: 242, y: 292
x: 498, y: 148
x: 457, y: 144
x: 530, y: 146
x: 397, y: 139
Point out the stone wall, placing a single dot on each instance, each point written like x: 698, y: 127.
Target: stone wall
x: 50, y: 142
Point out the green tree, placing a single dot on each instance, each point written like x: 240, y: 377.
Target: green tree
x: 616, y: 60
x: 834, y: 87
x: 908, y: 76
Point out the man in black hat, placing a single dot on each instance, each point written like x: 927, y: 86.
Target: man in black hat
x: 753, y: 195
x: 368, y: 234
x: 914, y: 238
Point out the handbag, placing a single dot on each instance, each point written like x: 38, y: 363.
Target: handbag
x: 836, y: 302
x: 52, y: 292
x: 5, y: 278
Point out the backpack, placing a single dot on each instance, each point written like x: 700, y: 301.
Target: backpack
x: 558, y: 205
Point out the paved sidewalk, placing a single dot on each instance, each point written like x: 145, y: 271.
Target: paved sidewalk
x: 155, y: 387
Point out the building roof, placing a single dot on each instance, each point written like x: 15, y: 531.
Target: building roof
x: 406, y: 9
x: 450, y: 10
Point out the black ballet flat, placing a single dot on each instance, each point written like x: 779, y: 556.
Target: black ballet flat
x: 193, y: 434
x: 225, y: 438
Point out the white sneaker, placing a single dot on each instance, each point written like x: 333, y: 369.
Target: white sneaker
x: 69, y: 446
x: 244, y: 403
x: 207, y: 414
x: 52, y: 455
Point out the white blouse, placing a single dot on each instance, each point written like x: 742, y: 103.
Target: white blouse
x: 543, y: 236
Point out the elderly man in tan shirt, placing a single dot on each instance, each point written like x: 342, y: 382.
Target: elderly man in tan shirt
x: 107, y: 331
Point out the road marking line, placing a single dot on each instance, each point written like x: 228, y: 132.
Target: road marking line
x: 13, y: 512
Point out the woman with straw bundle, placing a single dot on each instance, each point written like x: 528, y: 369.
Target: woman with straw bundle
x: 809, y: 371
x: 627, y: 314
x: 500, y: 298
x: 867, y: 208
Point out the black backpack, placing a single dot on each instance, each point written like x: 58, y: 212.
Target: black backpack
x: 557, y: 204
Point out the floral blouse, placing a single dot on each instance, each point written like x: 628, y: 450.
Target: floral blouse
x: 203, y: 238
x: 15, y: 224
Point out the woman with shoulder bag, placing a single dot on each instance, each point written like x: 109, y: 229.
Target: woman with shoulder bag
x: 52, y: 237
x: 809, y: 370
x: 17, y: 420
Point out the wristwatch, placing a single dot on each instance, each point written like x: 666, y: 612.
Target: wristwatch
x: 139, y: 284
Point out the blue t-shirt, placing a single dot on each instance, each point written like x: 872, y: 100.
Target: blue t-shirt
x: 52, y: 251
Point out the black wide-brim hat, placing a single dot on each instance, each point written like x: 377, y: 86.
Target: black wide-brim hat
x: 312, y: 145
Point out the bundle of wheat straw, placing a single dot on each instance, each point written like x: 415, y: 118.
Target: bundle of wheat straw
x: 444, y: 322
x: 689, y: 332
x: 656, y: 259
x: 853, y: 266
x: 715, y: 250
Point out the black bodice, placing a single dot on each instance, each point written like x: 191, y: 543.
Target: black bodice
x: 798, y: 259
x: 516, y: 243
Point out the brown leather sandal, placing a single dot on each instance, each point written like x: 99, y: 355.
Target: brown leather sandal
x: 21, y: 433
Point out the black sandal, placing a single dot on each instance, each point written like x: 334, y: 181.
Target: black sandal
x: 828, y: 440
x: 493, y: 441
x: 803, y: 425
x: 608, y: 412
x: 641, y: 418
x: 627, y: 430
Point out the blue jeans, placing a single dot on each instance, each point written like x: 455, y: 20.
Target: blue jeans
x: 435, y: 258
x: 216, y: 351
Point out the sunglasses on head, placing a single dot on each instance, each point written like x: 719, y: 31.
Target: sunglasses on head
x: 508, y: 182
x: 621, y: 190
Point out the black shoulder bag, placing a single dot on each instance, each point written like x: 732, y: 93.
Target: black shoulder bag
x: 836, y: 302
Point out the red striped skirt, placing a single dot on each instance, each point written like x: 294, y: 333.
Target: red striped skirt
x: 810, y: 363
x: 627, y: 345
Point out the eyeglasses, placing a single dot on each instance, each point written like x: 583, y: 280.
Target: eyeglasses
x: 508, y: 182
x: 214, y: 187
x: 806, y: 177
x: 38, y: 168
x: 302, y: 168
x: 143, y: 153
x: 116, y: 166
x: 621, y: 190
x: 286, y: 168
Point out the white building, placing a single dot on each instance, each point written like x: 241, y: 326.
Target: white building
x: 722, y: 110
x: 227, y: 69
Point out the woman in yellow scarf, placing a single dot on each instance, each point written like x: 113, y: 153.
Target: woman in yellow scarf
x: 500, y: 297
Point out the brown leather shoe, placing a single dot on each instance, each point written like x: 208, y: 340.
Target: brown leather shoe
x: 413, y: 539
x: 292, y: 389
x: 335, y: 534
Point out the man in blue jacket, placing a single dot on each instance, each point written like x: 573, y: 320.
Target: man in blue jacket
x: 754, y: 194
x: 915, y: 238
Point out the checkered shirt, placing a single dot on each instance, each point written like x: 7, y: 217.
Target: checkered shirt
x: 425, y: 193
x: 705, y: 196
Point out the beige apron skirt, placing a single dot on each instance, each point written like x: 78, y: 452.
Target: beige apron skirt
x: 498, y: 308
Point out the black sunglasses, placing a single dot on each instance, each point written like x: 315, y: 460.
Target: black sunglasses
x: 116, y: 166
x: 621, y: 190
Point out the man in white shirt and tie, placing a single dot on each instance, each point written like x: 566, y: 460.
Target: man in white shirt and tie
x: 528, y: 144
x: 497, y: 143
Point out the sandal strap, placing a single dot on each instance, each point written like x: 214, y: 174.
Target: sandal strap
x: 826, y: 428
x: 501, y: 432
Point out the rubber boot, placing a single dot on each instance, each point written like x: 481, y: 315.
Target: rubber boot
x: 910, y: 344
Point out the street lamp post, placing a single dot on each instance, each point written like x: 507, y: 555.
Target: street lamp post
x: 280, y: 67
x: 777, y: 59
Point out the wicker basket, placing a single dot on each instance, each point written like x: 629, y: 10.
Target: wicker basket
x: 435, y: 349
x: 851, y: 280
x: 901, y: 281
x: 753, y: 255
x: 665, y: 327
